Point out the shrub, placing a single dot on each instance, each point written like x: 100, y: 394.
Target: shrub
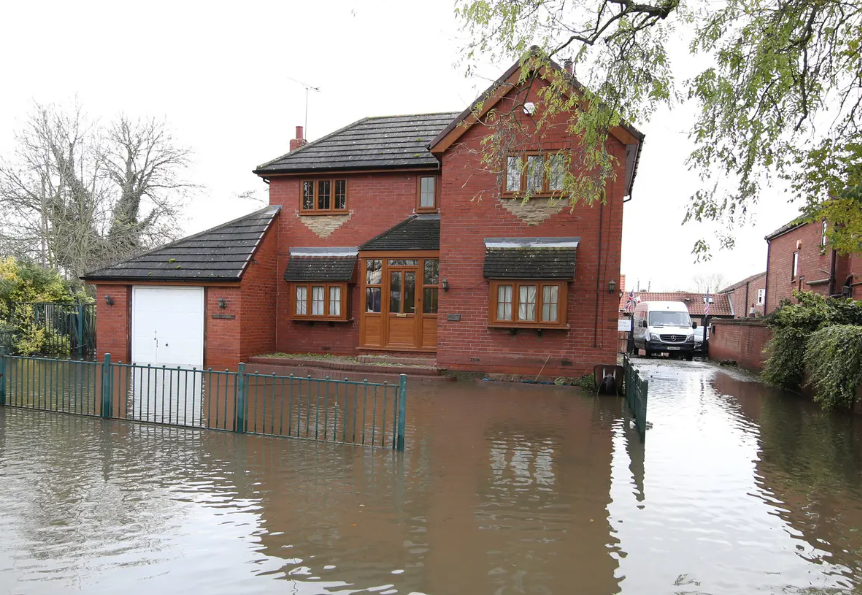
x: 793, y: 324
x: 834, y: 357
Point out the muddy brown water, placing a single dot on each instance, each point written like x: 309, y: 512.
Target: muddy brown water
x: 503, y: 489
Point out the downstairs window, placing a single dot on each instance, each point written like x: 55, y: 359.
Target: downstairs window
x: 320, y: 301
x: 533, y: 304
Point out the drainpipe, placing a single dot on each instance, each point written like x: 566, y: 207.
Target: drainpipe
x: 832, y: 264
x: 766, y: 281
x: 745, y: 305
x: 598, y: 278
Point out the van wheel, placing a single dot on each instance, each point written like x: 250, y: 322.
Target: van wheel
x: 689, y: 357
x: 648, y: 353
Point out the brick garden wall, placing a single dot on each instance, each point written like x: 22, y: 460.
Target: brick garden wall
x: 739, y: 340
x: 375, y: 203
x: 113, y: 326
x: 471, y: 211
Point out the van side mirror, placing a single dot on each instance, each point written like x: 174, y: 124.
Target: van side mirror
x: 693, y: 325
x: 643, y: 323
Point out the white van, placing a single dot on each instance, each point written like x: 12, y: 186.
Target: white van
x: 663, y: 327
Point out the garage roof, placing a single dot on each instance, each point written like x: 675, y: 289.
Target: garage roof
x: 218, y: 254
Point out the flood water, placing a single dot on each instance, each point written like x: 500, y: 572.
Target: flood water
x: 504, y: 489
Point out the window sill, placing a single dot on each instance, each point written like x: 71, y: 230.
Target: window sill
x: 322, y: 213
x: 515, y: 325
x: 319, y: 319
x: 512, y: 196
x: 431, y: 211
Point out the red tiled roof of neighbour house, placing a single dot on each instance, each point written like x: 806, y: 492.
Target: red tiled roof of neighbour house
x: 694, y: 301
x: 739, y: 284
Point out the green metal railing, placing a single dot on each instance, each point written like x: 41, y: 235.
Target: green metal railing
x: 323, y: 409
x: 69, y: 329
x: 637, y: 390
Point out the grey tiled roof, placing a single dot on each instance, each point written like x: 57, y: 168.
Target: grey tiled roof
x: 321, y: 264
x: 530, y: 258
x: 217, y: 254
x: 370, y: 143
x: 785, y: 228
x: 419, y: 232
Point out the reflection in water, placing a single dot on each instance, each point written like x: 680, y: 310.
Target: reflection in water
x: 504, y: 489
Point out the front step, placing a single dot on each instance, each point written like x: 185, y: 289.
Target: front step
x: 299, y: 366
x: 421, y: 362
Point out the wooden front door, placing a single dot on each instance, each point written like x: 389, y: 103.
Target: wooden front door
x: 399, y: 310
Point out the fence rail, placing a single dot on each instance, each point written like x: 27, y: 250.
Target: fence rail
x: 67, y: 329
x: 637, y: 391
x: 322, y: 409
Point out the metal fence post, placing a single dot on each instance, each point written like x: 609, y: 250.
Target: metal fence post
x: 2, y: 376
x: 106, y: 387
x: 240, y: 399
x: 80, y: 330
x: 402, y: 406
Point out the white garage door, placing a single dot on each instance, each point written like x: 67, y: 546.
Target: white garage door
x: 168, y: 326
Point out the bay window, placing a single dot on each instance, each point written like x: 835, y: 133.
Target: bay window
x: 532, y: 304
x: 320, y: 301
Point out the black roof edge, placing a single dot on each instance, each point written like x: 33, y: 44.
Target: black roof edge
x: 320, y: 170
x: 175, y: 280
x: 786, y: 228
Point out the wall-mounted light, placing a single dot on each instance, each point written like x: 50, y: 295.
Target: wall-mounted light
x: 612, y: 286
x: 445, y: 285
x: 109, y: 300
x: 222, y: 303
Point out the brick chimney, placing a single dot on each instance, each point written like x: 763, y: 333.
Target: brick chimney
x: 299, y: 141
x: 623, y: 283
x: 569, y: 66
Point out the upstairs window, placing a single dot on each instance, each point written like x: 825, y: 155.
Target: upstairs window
x: 761, y: 296
x: 824, y: 238
x: 534, y: 174
x: 794, y: 268
x: 427, y: 194
x: 324, y: 197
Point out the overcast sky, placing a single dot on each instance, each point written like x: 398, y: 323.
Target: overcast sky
x: 220, y: 73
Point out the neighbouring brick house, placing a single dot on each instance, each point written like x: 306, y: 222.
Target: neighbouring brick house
x: 390, y: 235
x: 719, y: 303
x: 747, y: 297
x: 798, y: 259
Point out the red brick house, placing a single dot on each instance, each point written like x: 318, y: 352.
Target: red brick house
x: 798, y: 259
x: 391, y: 236
x: 747, y: 297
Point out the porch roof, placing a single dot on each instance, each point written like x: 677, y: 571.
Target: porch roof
x: 418, y: 232
x: 530, y: 258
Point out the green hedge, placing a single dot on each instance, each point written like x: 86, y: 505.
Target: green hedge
x: 834, y: 357
x: 801, y: 342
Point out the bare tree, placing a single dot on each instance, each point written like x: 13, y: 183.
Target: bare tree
x: 75, y: 195
x: 709, y: 282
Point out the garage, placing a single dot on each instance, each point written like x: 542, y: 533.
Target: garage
x: 168, y: 325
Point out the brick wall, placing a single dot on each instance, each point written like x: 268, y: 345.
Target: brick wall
x: 739, y: 340
x: 259, y: 298
x: 741, y: 305
x: 472, y: 211
x: 376, y: 202
x: 222, y: 337
x: 113, y: 322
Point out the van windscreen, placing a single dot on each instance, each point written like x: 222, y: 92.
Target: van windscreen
x: 669, y: 319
